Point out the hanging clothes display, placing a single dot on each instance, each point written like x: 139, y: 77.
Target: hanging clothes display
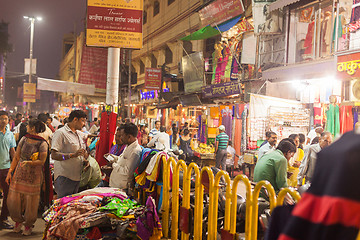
x: 317, y: 115
x: 244, y: 128
x: 235, y: 61
x: 202, y: 129
x: 346, y: 119
x: 356, y: 115
x: 217, y: 61
x: 333, y: 120
x: 227, y: 118
x: 237, y: 139
x: 214, y: 113
x: 107, y: 132
x: 308, y: 43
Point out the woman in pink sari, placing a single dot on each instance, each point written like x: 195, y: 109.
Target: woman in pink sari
x: 26, y: 181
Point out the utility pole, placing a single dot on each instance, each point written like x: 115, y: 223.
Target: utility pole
x: 32, y: 24
x: 129, y: 87
x: 112, y: 82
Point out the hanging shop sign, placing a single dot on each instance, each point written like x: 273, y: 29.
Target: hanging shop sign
x: 348, y: 66
x: 193, y: 67
x: 221, y: 90
x: 220, y: 11
x: 153, y: 78
x: 29, y: 92
x: 114, y: 23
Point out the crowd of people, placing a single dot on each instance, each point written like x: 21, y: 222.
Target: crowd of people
x: 292, y: 161
x: 45, y: 158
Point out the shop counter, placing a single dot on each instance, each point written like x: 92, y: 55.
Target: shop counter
x: 206, y: 159
x: 249, y: 163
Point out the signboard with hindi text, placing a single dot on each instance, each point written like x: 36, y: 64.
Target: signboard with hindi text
x: 153, y: 78
x: 29, y: 92
x: 220, y: 11
x: 348, y: 66
x: 221, y: 90
x: 114, y: 23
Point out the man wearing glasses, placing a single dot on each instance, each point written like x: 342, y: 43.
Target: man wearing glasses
x: 308, y: 163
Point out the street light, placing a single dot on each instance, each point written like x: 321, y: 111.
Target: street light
x: 32, y: 21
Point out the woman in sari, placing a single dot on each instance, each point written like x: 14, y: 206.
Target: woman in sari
x: 294, y: 162
x: 26, y: 177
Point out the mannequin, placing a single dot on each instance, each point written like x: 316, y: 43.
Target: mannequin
x: 332, y: 117
x: 217, y: 59
x: 308, y: 43
x: 326, y: 34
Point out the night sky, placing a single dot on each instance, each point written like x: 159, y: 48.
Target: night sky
x: 58, y: 16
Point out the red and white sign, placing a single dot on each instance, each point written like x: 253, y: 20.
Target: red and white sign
x: 220, y: 11
x: 153, y: 78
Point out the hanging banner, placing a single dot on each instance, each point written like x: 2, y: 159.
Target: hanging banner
x: 114, y: 23
x: 220, y: 11
x: 348, y: 66
x: 153, y: 78
x: 29, y: 92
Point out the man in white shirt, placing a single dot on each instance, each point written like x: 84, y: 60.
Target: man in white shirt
x: 122, y: 175
x: 161, y: 141
x: 316, y: 132
x: 270, y: 145
x: 68, y: 149
x: 155, y: 130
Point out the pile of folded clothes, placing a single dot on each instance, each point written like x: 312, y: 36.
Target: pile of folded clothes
x: 101, y: 213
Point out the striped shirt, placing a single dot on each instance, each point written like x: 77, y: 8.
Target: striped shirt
x: 223, y: 140
x: 153, y: 132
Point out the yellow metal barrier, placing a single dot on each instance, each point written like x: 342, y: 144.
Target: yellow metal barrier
x: 201, y: 177
x: 166, y: 194
x: 283, y: 192
x: 272, y: 199
x: 214, y: 216
x: 175, y: 197
x: 210, y: 175
x: 199, y: 193
x: 233, y: 211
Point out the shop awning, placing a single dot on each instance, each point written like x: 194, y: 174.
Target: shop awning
x: 208, y: 31
x: 314, y: 69
x: 280, y: 4
x: 64, y: 86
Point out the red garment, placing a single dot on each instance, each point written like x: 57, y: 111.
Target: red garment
x: 308, y: 43
x: 317, y: 115
x: 346, y: 119
x: 107, y: 132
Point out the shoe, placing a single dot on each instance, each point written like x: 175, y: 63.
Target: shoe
x: 6, y: 225
x: 17, y: 227
x: 27, y: 231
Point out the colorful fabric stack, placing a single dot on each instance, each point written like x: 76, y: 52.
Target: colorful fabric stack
x: 100, y: 213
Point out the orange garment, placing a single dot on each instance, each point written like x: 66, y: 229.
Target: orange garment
x: 214, y: 112
x: 346, y: 119
x: 237, y: 140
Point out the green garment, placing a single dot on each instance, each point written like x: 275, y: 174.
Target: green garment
x: 337, y: 28
x: 273, y: 168
x: 333, y: 120
x: 119, y: 207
